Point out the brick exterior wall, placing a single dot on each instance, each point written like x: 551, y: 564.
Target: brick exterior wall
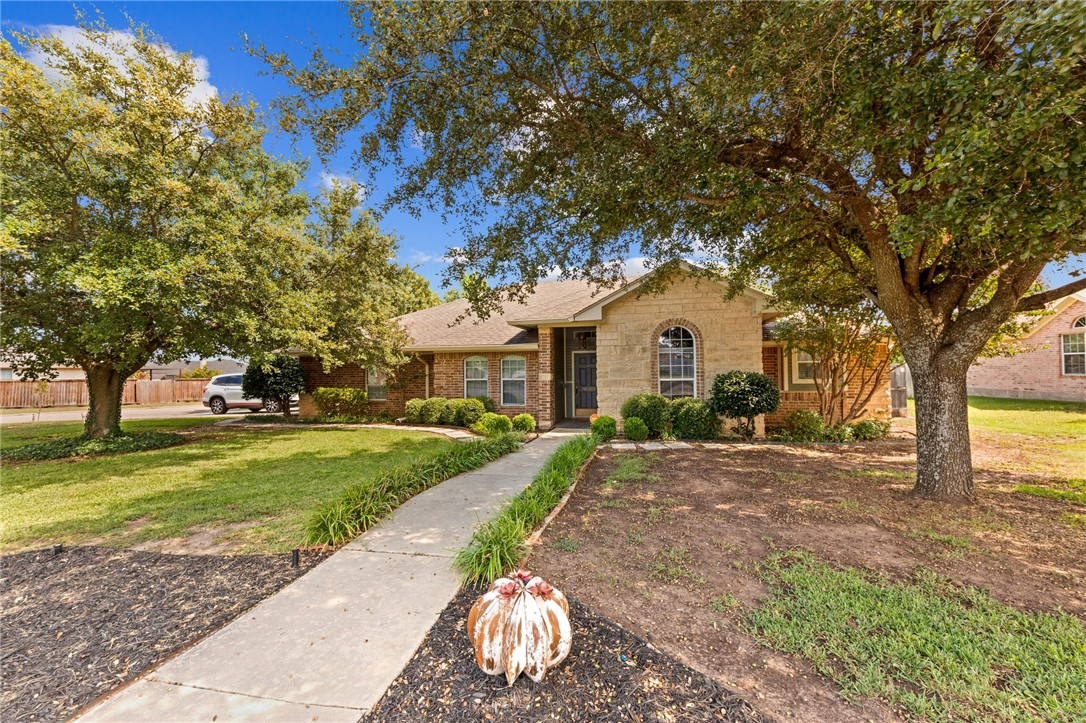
x: 1035, y: 374
x: 448, y: 379
x: 773, y: 367
x: 547, y: 379
x: 728, y: 332
x: 408, y: 382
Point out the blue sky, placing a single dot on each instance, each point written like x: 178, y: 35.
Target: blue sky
x: 213, y: 31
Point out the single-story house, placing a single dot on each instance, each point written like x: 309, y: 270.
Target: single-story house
x: 571, y: 350
x: 1052, y: 364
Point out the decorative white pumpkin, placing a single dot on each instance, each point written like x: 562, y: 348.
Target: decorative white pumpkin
x: 520, y: 625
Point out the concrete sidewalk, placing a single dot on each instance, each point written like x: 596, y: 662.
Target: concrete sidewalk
x: 327, y: 646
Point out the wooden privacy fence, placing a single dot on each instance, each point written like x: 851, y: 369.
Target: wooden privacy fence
x: 73, y: 392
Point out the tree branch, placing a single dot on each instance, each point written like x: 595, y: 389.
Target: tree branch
x: 1039, y: 301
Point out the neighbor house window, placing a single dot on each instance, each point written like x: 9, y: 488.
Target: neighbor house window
x: 514, y: 381
x: 1074, y: 353
x: 677, y: 353
x: 476, y: 376
x: 804, y: 367
x: 376, y: 385
x: 6, y: 375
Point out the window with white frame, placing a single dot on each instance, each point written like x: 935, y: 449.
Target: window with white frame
x: 376, y: 384
x: 678, y: 360
x: 514, y: 381
x: 804, y: 367
x: 1073, y: 348
x: 1080, y: 323
x: 476, y: 377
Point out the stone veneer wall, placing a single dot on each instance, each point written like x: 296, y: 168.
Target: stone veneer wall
x: 729, y: 336
x: 1035, y: 374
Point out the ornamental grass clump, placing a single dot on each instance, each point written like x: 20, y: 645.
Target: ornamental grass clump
x: 366, y: 503
x: 498, y: 545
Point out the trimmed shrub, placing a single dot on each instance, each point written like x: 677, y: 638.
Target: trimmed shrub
x: 652, y: 409
x: 451, y: 411
x: 604, y: 428
x: 497, y: 546
x: 868, y: 430
x: 432, y: 409
x: 363, y: 505
x: 693, y: 419
x: 487, y: 402
x: 491, y: 424
x: 838, y: 433
x: 635, y: 429
x: 413, y: 410
x: 341, y: 401
x: 470, y: 411
x: 805, y: 425
x: 742, y: 396
x: 524, y: 423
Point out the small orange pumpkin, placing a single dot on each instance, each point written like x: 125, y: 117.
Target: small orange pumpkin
x: 520, y: 625
x: 593, y: 418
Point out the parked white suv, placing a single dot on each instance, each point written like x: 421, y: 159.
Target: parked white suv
x: 223, y: 393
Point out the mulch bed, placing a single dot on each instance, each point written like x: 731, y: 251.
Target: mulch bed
x: 611, y: 675
x: 79, y: 623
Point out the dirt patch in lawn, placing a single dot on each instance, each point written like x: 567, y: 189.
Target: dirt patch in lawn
x: 610, y: 675
x: 664, y: 543
x: 79, y: 623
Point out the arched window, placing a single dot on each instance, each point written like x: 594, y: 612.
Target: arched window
x: 476, y: 377
x: 1080, y: 323
x: 514, y: 381
x: 678, y: 362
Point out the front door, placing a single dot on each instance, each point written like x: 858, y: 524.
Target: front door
x: 584, y: 384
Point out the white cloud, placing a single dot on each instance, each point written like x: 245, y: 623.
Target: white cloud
x: 637, y: 266
x: 422, y: 257
x: 329, y: 181
x: 73, y: 36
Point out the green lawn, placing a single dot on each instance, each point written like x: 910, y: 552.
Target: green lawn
x: 272, y: 480
x: 14, y: 435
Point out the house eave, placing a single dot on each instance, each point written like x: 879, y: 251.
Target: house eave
x: 432, y: 349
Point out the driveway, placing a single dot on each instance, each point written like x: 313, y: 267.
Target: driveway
x: 162, y: 411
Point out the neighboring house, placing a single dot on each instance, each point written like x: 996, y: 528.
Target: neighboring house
x: 1053, y: 365
x: 570, y: 351
x: 9, y: 373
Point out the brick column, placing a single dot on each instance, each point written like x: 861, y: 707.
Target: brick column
x: 546, y: 379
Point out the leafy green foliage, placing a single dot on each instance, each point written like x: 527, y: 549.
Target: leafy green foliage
x: 921, y: 152
x: 869, y: 430
x: 450, y: 412
x: 364, y: 504
x: 604, y: 427
x: 276, y: 377
x: 1070, y: 490
x: 341, y: 401
x: 742, y: 396
x: 487, y: 402
x: 199, y: 373
x: 432, y: 410
x: 84, y: 447
x: 939, y: 651
x: 693, y: 419
x: 804, y: 425
x: 413, y: 410
x: 652, y: 409
x: 499, y: 544
x: 524, y: 423
x: 634, y: 429
x: 491, y: 424
x: 469, y: 412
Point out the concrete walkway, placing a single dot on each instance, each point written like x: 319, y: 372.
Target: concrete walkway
x: 327, y: 646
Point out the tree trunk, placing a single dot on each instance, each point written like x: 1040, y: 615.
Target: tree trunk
x: 285, y: 401
x: 944, y: 468
x: 104, y: 388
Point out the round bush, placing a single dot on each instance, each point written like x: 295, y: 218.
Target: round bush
x: 524, y: 423
x: 341, y: 401
x: 604, y: 427
x: 487, y: 402
x: 413, y: 410
x: 470, y: 411
x: 838, y: 433
x: 491, y: 424
x: 652, y: 409
x: 693, y: 419
x: 635, y: 429
x: 451, y: 411
x: 742, y: 396
x: 805, y: 424
x: 868, y: 430
x: 432, y: 409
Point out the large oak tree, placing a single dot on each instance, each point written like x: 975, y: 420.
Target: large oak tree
x: 929, y: 149
x: 142, y: 219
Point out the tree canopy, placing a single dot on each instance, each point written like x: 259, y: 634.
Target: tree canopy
x: 928, y: 149
x: 142, y: 220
